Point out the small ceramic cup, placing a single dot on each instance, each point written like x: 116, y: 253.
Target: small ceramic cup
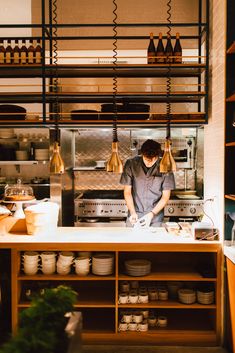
x: 162, y: 321
x: 143, y: 326
x: 123, y: 326
x: 132, y: 326
x: 143, y: 298
x: 123, y: 298
x: 152, y: 321
x: 127, y: 317
x: 125, y: 286
x: 133, y: 298
x: 137, y: 317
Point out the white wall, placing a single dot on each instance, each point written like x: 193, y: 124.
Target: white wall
x: 15, y: 12
x: 214, y: 131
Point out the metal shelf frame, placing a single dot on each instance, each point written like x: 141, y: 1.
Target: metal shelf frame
x: 46, y: 71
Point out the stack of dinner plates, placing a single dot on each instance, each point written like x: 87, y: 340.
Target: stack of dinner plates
x: 187, y: 296
x: 138, y: 267
x: 205, y: 297
x: 102, y: 264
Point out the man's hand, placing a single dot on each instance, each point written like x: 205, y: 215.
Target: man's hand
x: 133, y: 218
x: 146, y: 220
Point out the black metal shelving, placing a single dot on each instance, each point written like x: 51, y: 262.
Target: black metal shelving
x: 82, y: 70
x: 47, y: 71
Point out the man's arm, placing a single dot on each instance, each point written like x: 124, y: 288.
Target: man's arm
x: 130, y: 203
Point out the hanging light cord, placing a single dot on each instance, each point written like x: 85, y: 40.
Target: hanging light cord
x: 55, y: 62
x: 168, y: 81
x: 115, y: 137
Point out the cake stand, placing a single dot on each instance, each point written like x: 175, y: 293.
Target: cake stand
x: 19, y: 213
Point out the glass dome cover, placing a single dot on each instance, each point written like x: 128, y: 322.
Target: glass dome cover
x: 18, y: 192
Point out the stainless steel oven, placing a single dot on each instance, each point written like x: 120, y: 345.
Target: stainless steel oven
x: 183, y: 210
x: 94, y: 208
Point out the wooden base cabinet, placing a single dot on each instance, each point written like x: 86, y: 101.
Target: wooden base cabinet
x: 185, y: 266
x: 231, y: 289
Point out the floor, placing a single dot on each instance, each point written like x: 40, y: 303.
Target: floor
x: 150, y: 349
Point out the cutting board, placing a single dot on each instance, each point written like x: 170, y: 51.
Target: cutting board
x: 183, y: 192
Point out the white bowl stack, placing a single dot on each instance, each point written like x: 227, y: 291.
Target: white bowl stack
x: 48, y: 259
x: 187, y: 296
x: 82, y: 265
x: 30, y: 262
x: 138, y: 267
x: 102, y: 264
x: 65, y: 260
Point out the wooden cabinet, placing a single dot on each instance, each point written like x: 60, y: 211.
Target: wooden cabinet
x: 190, y: 265
x: 229, y: 171
x: 231, y: 291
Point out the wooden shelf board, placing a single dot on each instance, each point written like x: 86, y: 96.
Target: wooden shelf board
x: 170, y: 304
x: 159, y: 337
x: 230, y: 197
x: 157, y: 276
x: 70, y: 277
x: 79, y: 304
x: 230, y: 144
x: 231, y: 49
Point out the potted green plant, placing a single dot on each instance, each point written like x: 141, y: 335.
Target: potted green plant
x: 42, y: 325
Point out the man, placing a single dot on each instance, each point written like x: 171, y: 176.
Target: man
x: 146, y: 190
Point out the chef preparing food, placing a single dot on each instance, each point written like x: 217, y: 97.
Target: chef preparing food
x: 146, y: 190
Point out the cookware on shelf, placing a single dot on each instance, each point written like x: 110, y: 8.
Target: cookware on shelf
x: 12, y: 112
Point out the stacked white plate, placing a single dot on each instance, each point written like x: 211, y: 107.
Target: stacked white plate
x: 138, y: 267
x: 205, y: 297
x: 187, y: 296
x: 102, y: 264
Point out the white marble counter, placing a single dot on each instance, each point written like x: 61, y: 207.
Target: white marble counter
x: 100, y: 235
x: 229, y: 252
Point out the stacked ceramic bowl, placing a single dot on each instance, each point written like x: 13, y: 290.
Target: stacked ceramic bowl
x: 187, y: 296
x: 138, y: 267
x: 64, y: 262
x: 82, y: 265
x: 41, y: 154
x: 102, y: 264
x: 48, y: 262
x: 205, y: 297
x: 30, y: 262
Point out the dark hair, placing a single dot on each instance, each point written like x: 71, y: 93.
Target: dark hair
x: 151, y: 148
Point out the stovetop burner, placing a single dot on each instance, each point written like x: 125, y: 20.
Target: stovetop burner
x: 103, y: 194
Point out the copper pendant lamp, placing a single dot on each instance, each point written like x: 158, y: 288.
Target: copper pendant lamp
x: 114, y: 164
x: 167, y: 163
x: 56, y: 161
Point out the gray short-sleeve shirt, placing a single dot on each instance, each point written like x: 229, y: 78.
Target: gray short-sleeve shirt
x: 147, y: 186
